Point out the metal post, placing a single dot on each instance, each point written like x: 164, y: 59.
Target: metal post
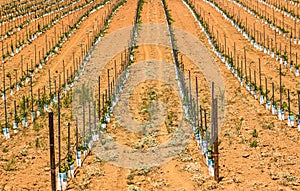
x: 197, y: 107
x: 259, y: 70
x: 298, y: 105
x: 90, y: 129
x: 52, y: 151
x: 32, y: 98
x: 49, y: 83
x: 205, y: 125
x: 216, y: 142
x: 15, y: 108
x: 280, y: 88
x: 4, y: 94
x: 115, y: 64
x: 201, y: 122
x: 76, y: 133
x: 291, y: 48
x: 245, y: 60
x: 212, y: 111
x: 190, y: 93
x: 99, y: 113
x: 69, y: 138
x: 95, y: 120
x: 58, y: 127
x: 108, y: 84
x: 64, y: 72
x: 83, y: 119
x: 289, y: 102
x: 266, y: 84
x: 273, y: 95
x: 255, y: 79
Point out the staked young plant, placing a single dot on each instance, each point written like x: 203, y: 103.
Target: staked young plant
x: 70, y: 159
x: 64, y: 167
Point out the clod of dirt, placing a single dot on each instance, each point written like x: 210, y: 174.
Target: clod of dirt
x: 93, y: 171
x: 23, y: 152
x: 212, y: 186
x: 159, y: 183
x: 274, y: 175
x: 47, y: 169
x: 236, y: 180
x: 133, y: 188
x: 186, y: 158
x: 192, y: 167
x: 199, y: 179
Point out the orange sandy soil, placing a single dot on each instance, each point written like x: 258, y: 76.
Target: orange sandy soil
x: 270, y: 68
x: 69, y: 54
x: 260, y: 27
x: 234, y: 9
x: 174, y: 174
x: 272, y: 165
x: 267, y: 11
x: 287, y: 4
x: 54, y: 64
x: 32, y: 26
x: 24, y: 157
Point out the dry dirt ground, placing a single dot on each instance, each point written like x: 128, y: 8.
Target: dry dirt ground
x: 269, y: 166
x: 274, y: 164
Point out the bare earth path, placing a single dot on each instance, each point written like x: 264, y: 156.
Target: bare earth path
x: 269, y: 166
x: 257, y: 152
x: 266, y: 161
